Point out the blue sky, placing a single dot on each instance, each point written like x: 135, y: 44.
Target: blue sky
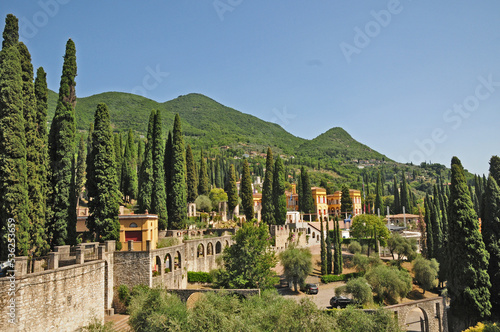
x: 414, y: 80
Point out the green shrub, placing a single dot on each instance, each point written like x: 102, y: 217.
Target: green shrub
x: 354, y: 247
x: 167, y: 242
x: 341, y: 277
x: 124, y: 294
x: 156, y: 273
x: 203, y: 277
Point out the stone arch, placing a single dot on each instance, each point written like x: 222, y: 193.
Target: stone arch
x: 177, y: 261
x: 168, y: 263
x: 200, y: 251
x: 158, y: 265
x: 218, y: 248
x: 193, y: 298
x: 210, y: 249
x: 417, y: 320
x: 227, y: 243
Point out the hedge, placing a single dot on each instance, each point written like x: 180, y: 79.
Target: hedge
x: 203, y: 277
x: 341, y: 277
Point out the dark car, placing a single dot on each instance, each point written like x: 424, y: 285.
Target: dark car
x: 340, y: 302
x: 311, y: 289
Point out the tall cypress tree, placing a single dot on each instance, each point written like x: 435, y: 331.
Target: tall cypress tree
x: 102, y: 182
x: 329, y: 257
x: 168, y: 175
x: 495, y: 168
x: 379, y: 193
x: 279, y: 196
x: 203, y: 178
x: 468, y: 279
x: 158, y: 195
x: 129, y: 168
x: 40, y: 245
x: 62, y: 155
x: 324, y: 263
x: 307, y: 201
x: 267, y: 190
x: 405, y: 200
x: 232, y: 191
x: 429, y: 227
x: 140, y: 153
x: 397, y: 204
x: 146, y: 172
x: 81, y: 169
x: 118, y: 158
x: 178, y: 178
x: 246, y: 193
x: 191, y: 180
x: 13, y: 173
x: 491, y: 234
x: 345, y: 201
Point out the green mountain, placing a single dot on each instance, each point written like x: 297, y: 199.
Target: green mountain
x: 337, y: 143
x: 209, y: 124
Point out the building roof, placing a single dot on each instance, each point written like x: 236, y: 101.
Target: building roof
x: 401, y: 216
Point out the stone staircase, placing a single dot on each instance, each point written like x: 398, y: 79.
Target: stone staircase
x: 120, y: 322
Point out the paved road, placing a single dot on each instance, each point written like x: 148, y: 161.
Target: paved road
x: 322, y: 299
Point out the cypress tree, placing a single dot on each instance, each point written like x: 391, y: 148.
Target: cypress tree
x: 81, y: 168
x: 13, y: 173
x: 62, y: 227
x: 329, y: 257
x: 203, y: 178
x: 345, y: 201
x: 246, y: 193
x: 468, y: 279
x: 338, y: 262
x: 40, y: 245
x: 267, y: 190
x: 178, y: 178
x: 140, y: 153
x: 379, y: 194
x: 405, y: 200
x: 168, y: 175
x: 118, y: 159
x: 279, y: 196
x: 306, y: 192
x: 324, y: 263
x: 101, y: 177
x: 397, y: 204
x: 232, y: 191
x: 429, y: 227
x: 129, y: 168
x: 158, y: 195
x: 191, y: 181
x: 495, y: 168
x: 145, y: 189
x: 491, y: 234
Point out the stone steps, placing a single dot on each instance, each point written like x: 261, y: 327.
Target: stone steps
x: 120, y: 322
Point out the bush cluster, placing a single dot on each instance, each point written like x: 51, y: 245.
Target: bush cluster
x: 327, y: 278
x: 203, y: 277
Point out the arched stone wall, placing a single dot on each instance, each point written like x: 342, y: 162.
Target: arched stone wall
x: 432, y: 308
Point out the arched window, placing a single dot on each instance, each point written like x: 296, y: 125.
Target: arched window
x: 133, y: 225
x: 177, y: 261
x: 168, y: 263
x: 218, y: 248
x: 200, y: 251
x: 210, y: 249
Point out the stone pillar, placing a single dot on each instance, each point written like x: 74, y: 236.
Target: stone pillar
x: 21, y: 265
x: 80, y: 255
x: 101, y: 251
x: 110, y: 245
x: 130, y: 245
x: 223, y: 210
x: 63, y: 251
x: 53, y: 260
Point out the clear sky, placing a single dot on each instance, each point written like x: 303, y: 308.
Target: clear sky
x: 414, y: 80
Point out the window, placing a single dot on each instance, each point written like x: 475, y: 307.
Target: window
x: 133, y: 225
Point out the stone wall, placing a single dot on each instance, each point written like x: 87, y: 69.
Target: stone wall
x: 56, y: 300
x: 171, y: 265
x: 284, y: 234
x: 132, y: 268
x: 184, y: 294
x: 433, y: 309
x: 201, y: 254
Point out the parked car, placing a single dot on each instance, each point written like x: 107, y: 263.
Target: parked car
x: 311, y: 289
x: 341, y: 302
x: 4, y: 266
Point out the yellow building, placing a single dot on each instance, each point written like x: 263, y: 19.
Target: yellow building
x: 335, y: 200
x: 292, y: 199
x: 320, y: 202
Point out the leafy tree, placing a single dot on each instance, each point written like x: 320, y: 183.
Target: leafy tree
x: 158, y: 195
x: 203, y: 178
x: 364, y: 263
x: 364, y: 224
x: 297, y: 264
x: 426, y: 272
x: 267, y: 190
x: 248, y: 262
x: 246, y: 191
x: 279, y: 197
x: 232, y: 192
x: 217, y: 195
x: 129, y: 168
x: 192, y: 179
x: 403, y: 247
x: 178, y: 178
x: 102, y: 182
x: 146, y: 172
x: 203, y: 203
x: 468, y: 279
x: 13, y: 173
x: 358, y: 288
x: 491, y: 235
x: 345, y: 201
x: 389, y: 283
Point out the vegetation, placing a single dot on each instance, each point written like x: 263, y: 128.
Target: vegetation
x: 167, y: 242
x: 405, y: 248
x: 358, y: 288
x: 389, y: 282
x: 202, y: 277
x: 178, y: 196
x: 267, y: 191
x: 297, y: 265
x: 246, y: 193
x: 426, y: 272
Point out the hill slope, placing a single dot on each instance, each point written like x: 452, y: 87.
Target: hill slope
x: 207, y: 123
